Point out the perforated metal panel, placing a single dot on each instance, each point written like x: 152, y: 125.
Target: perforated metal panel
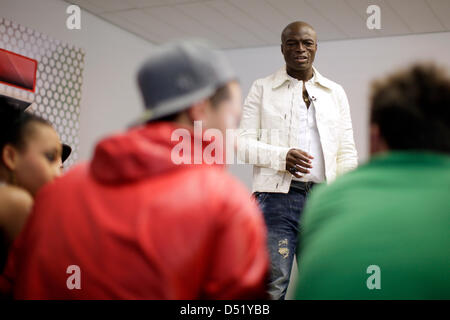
x: 58, y: 80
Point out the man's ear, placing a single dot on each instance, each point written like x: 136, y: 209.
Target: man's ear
x: 377, y: 142
x: 281, y: 47
x: 10, y: 157
x: 198, y: 111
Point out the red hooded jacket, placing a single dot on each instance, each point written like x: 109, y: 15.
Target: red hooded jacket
x: 139, y: 226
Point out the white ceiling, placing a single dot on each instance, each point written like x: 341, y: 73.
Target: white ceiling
x: 254, y: 23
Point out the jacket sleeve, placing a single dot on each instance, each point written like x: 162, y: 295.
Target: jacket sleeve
x: 347, y: 157
x: 250, y: 149
x: 239, y: 265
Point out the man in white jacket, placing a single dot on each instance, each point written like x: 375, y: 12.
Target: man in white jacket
x: 296, y: 130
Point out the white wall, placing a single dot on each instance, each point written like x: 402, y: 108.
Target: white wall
x: 110, y: 99
x: 351, y: 63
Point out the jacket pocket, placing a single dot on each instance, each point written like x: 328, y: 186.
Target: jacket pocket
x: 272, y: 121
x: 268, y: 171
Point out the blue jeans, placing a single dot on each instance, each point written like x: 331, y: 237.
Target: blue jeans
x: 282, y: 215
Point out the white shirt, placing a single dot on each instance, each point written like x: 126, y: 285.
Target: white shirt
x: 274, y: 103
x: 310, y: 143
x: 309, y: 134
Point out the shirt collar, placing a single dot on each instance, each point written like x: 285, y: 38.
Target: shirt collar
x: 281, y: 77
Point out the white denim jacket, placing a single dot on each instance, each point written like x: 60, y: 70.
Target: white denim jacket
x: 270, y: 128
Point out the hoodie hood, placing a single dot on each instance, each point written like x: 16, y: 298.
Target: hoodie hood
x: 143, y: 152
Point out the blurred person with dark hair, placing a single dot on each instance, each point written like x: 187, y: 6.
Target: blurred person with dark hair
x: 135, y: 223
x: 30, y: 152
x: 383, y: 231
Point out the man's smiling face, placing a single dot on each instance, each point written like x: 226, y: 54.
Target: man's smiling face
x: 299, y: 46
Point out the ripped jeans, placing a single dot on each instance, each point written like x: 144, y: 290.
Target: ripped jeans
x: 282, y: 215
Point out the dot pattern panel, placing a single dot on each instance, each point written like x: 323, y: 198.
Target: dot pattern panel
x: 59, y: 79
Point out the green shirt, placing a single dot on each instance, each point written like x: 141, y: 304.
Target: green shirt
x: 393, y: 213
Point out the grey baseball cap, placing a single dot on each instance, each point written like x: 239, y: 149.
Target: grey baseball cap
x: 180, y: 74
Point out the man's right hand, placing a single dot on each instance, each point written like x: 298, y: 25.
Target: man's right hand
x: 298, y: 162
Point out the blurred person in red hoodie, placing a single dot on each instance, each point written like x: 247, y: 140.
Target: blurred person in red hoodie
x: 133, y: 224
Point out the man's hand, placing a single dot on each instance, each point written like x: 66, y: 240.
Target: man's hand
x: 297, y: 162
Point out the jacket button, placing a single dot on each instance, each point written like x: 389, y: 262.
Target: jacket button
x: 277, y: 185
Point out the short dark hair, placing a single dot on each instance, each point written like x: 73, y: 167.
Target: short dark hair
x: 412, y: 109
x: 15, y: 123
x: 220, y: 95
x: 295, y: 24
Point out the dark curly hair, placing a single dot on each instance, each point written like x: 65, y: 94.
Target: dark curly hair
x: 15, y: 123
x: 412, y: 109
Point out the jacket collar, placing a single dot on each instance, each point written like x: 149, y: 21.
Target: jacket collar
x: 281, y: 77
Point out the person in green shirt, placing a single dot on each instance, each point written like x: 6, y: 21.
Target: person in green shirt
x: 382, y: 231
